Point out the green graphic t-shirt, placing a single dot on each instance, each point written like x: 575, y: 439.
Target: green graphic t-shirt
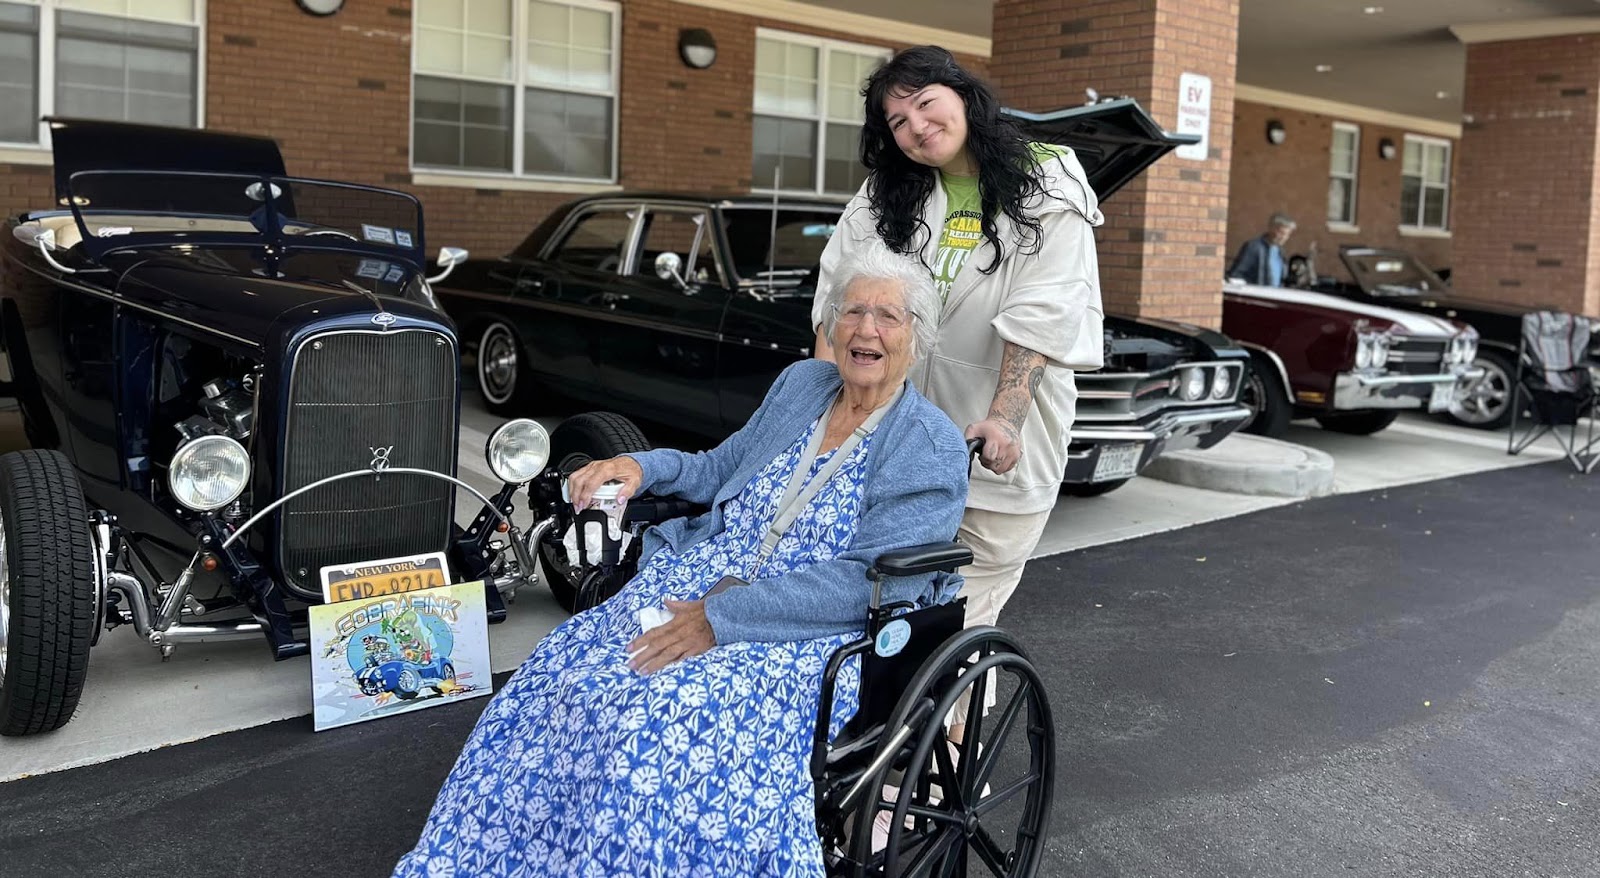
x: 963, y: 221
x: 963, y: 229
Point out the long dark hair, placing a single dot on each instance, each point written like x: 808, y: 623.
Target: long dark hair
x: 898, y: 187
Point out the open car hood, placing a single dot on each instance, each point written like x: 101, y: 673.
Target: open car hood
x: 92, y: 145
x: 1115, y: 140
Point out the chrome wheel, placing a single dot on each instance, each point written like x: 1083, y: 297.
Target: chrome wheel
x: 1484, y: 402
x: 5, y: 597
x: 497, y: 364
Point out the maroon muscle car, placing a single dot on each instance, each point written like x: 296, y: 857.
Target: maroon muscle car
x: 1352, y: 366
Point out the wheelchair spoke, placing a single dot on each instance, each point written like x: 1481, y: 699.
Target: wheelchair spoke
x: 936, y: 815
x: 945, y: 765
x: 1008, y: 722
x: 928, y: 857
x: 956, y: 863
x: 989, y: 851
x: 972, y: 738
x: 1003, y: 795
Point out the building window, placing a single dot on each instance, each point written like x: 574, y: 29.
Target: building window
x: 808, y: 112
x: 1342, y: 173
x: 521, y: 87
x: 1425, y: 183
x: 120, y: 60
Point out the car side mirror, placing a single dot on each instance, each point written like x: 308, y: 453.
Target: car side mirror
x: 669, y: 266
x: 449, y: 258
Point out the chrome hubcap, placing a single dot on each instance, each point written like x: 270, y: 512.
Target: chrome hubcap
x: 1484, y: 399
x: 5, y: 598
x: 497, y: 365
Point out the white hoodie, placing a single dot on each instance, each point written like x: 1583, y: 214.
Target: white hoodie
x: 1047, y: 301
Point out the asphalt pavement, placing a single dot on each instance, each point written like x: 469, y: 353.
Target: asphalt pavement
x: 1395, y: 683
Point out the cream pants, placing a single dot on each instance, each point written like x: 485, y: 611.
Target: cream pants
x: 1001, y: 543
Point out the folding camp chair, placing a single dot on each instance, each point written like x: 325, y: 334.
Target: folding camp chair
x: 1557, y: 386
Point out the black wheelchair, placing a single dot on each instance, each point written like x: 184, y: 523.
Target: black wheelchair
x: 939, y: 808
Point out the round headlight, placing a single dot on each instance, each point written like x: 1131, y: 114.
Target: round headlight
x: 1364, y: 352
x: 1221, y: 384
x: 209, y: 473
x: 518, y: 450
x: 1194, y: 384
x: 1469, y: 349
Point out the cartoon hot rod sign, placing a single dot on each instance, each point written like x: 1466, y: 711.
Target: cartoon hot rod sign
x: 395, y: 653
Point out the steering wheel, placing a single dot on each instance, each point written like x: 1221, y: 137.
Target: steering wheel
x: 330, y: 232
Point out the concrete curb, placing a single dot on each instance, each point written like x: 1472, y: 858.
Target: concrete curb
x: 1247, y: 464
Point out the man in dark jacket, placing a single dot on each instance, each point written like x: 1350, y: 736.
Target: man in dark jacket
x: 1260, y: 260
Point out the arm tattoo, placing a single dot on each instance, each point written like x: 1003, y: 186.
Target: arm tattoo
x: 1021, y: 372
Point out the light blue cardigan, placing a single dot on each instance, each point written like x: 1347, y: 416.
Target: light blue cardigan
x: 915, y: 490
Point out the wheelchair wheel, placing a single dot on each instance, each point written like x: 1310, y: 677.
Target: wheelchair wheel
x: 983, y: 805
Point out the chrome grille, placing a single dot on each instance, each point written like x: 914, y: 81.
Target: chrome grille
x: 1413, y: 356
x: 351, y: 395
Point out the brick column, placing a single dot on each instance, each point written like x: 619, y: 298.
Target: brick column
x: 1162, y: 250
x: 1525, y: 217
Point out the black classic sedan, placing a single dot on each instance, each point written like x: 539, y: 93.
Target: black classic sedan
x: 1397, y: 279
x: 682, y: 310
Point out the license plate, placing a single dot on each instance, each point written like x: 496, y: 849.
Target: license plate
x: 384, y: 577
x: 1120, y: 461
x: 1442, y: 394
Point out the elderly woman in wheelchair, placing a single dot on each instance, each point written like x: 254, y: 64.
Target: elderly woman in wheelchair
x: 715, y: 742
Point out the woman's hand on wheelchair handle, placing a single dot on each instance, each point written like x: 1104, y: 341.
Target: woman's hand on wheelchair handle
x: 582, y: 484
x: 686, y: 635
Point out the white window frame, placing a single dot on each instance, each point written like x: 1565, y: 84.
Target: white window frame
x: 1412, y: 225
x: 39, y: 152
x: 1343, y: 224
x: 825, y: 49
x: 519, y: 84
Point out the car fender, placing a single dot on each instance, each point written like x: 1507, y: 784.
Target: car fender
x: 1277, y: 362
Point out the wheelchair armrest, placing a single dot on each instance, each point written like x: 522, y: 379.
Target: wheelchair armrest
x: 655, y: 510
x: 924, y: 559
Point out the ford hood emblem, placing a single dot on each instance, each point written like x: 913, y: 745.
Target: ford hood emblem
x: 384, y: 319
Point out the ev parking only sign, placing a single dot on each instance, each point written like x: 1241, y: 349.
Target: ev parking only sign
x: 1194, y: 114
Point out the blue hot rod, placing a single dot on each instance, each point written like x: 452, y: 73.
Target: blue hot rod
x: 230, y: 379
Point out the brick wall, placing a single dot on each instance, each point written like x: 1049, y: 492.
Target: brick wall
x: 1526, y: 219
x: 1165, y: 233
x: 335, y: 93
x: 1292, y: 178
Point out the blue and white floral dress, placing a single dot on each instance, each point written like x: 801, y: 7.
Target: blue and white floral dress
x: 582, y: 767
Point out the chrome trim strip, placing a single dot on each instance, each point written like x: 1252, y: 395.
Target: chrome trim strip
x: 1396, y: 380
x: 1283, y: 371
x: 1163, y: 427
x: 119, y: 300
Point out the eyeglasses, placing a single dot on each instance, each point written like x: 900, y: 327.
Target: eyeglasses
x: 886, y: 316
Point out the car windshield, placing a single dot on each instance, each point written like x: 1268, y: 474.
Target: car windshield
x: 130, y: 208
x: 802, y: 233
x: 1393, y: 274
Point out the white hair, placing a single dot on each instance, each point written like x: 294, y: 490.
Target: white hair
x: 916, y: 289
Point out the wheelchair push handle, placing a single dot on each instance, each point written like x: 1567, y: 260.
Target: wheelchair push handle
x: 974, y: 445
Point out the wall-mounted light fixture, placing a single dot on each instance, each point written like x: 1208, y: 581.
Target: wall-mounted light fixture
x: 696, y: 47
x: 1276, y: 133
x: 1386, y: 149
x: 320, y: 7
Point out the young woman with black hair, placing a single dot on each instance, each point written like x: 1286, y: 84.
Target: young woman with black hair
x: 1005, y: 227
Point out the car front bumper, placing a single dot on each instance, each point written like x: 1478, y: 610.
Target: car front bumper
x: 1353, y: 391
x: 1106, y: 452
